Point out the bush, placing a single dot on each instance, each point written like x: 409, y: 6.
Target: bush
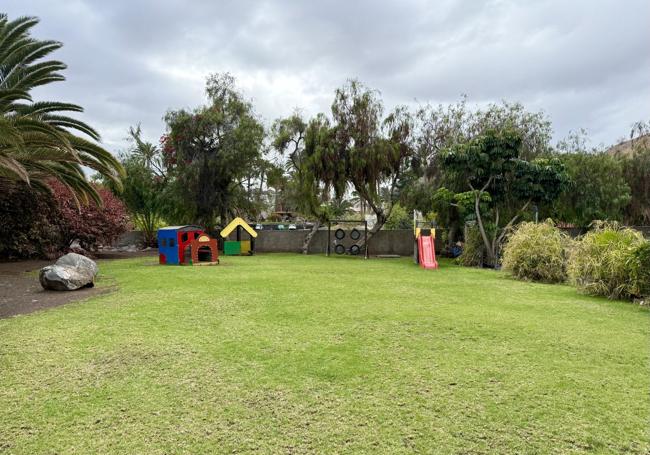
x: 89, y: 224
x: 537, y: 252
x: 611, y: 261
x: 41, y: 225
x: 640, y: 270
x: 26, y: 230
x: 473, y: 249
x: 399, y: 219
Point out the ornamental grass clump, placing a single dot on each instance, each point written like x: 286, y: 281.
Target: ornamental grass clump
x: 639, y: 265
x: 473, y: 254
x: 611, y: 261
x: 537, y: 252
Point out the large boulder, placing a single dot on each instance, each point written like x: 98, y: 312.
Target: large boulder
x: 79, y: 261
x: 70, y: 272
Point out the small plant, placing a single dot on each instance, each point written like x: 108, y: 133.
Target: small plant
x: 537, y: 252
x: 611, y: 261
x: 639, y: 265
x: 473, y: 254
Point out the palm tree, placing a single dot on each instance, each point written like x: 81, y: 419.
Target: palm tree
x: 37, y: 141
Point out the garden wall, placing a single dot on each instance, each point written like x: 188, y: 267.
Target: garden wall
x: 384, y: 242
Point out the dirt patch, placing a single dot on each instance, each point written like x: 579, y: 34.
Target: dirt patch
x: 21, y: 292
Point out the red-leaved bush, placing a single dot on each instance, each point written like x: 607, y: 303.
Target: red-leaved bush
x: 29, y: 226
x: 36, y: 224
x: 89, y: 224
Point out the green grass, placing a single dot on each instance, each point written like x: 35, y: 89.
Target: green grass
x: 292, y: 354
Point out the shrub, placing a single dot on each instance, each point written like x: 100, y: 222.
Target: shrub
x: 38, y: 224
x: 89, y: 224
x: 537, y: 252
x: 473, y: 248
x: 640, y: 270
x: 26, y: 230
x: 399, y: 219
x: 610, y: 261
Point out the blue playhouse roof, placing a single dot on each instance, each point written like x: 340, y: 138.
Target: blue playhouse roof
x: 187, y: 227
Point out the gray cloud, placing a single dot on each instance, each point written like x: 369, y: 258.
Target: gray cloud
x: 587, y: 64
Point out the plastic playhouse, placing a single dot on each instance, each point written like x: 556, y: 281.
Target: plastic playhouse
x: 238, y: 246
x: 186, y: 245
x: 424, y: 248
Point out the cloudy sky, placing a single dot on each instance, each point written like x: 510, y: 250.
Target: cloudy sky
x: 585, y: 63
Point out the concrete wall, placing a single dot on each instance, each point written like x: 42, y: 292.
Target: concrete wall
x: 384, y: 242
x: 129, y: 238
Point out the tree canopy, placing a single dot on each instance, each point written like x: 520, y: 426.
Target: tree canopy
x: 363, y: 150
x: 208, y: 150
x: 491, y: 164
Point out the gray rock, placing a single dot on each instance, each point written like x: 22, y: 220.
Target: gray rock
x: 79, y: 261
x: 70, y: 272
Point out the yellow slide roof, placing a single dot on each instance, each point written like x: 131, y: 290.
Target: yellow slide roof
x: 225, y: 232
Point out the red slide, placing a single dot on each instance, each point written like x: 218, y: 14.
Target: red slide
x: 427, y: 252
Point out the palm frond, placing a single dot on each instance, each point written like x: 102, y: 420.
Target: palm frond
x: 45, y: 107
x: 37, y: 142
x: 11, y: 168
x: 68, y: 122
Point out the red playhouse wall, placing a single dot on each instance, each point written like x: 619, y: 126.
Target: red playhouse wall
x: 182, y: 244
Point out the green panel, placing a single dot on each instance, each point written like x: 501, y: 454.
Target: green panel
x: 231, y: 248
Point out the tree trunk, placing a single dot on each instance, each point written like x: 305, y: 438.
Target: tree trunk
x: 381, y: 220
x: 488, y: 246
x: 309, y: 237
x: 223, y: 215
x: 451, y: 235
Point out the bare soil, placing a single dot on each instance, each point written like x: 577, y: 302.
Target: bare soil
x: 21, y: 292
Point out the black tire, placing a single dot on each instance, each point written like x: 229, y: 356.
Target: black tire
x: 355, y: 250
x: 339, y: 249
x: 339, y: 234
x: 355, y: 234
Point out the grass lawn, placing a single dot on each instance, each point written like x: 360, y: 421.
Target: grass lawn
x: 292, y: 354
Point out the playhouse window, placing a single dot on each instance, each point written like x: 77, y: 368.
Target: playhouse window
x: 184, y: 237
x: 163, y: 242
x: 196, y: 235
x: 172, y: 243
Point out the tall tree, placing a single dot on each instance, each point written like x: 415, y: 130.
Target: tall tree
x: 438, y: 128
x: 300, y: 141
x: 636, y: 171
x: 491, y: 164
x: 208, y: 151
x: 38, y: 141
x: 143, y: 188
x: 363, y: 150
x: 597, y: 189
x: 443, y: 126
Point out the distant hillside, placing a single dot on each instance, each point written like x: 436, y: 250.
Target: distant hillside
x: 625, y: 148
